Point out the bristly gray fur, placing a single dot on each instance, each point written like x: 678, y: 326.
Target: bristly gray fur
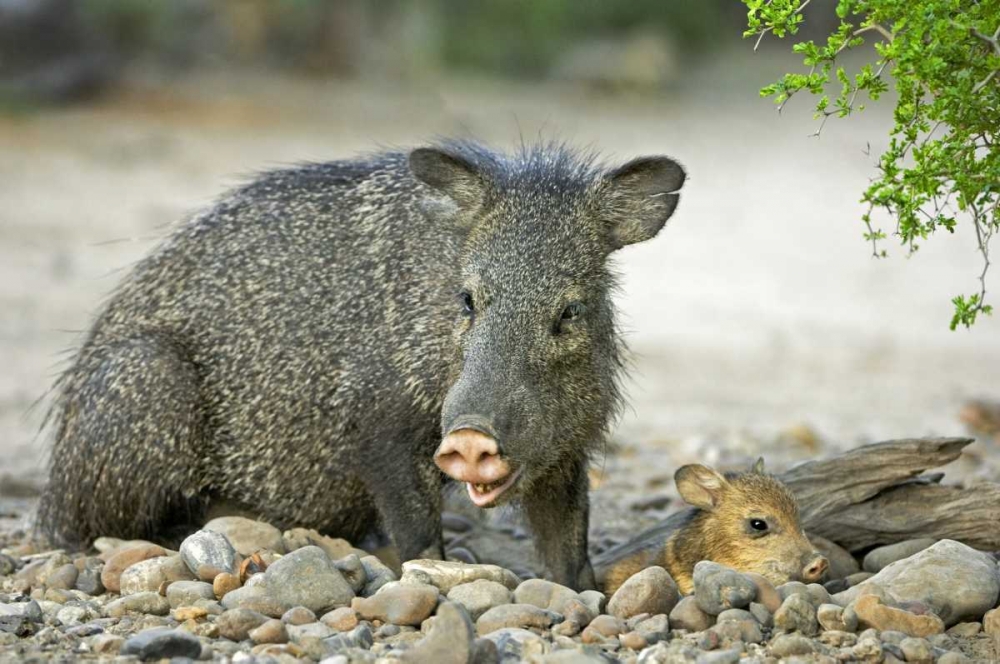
x: 290, y: 349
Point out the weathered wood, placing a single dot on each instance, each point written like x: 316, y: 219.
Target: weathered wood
x: 872, y: 495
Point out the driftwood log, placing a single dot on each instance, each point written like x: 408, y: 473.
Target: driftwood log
x: 873, y: 495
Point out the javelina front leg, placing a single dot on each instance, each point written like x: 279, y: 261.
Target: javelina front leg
x: 409, y: 504
x: 559, y: 514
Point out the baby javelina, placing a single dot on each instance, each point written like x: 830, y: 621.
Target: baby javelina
x: 747, y: 521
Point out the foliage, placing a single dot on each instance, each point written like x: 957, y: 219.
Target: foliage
x: 943, y: 160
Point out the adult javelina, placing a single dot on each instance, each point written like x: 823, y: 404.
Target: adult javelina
x: 313, y: 344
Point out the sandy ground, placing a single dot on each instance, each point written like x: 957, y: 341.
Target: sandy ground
x: 757, y: 317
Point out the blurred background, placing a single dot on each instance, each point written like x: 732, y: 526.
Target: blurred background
x: 758, y: 320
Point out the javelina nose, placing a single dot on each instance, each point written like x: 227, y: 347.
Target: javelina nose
x: 815, y: 568
x: 471, y: 456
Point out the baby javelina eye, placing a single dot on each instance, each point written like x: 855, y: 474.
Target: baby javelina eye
x: 758, y: 525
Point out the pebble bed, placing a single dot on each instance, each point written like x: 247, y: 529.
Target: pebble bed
x: 242, y: 591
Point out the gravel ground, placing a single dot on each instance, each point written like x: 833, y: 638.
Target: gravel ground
x: 757, y: 328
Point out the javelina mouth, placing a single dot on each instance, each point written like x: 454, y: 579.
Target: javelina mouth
x: 486, y: 495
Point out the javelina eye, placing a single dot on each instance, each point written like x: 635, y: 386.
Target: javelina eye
x: 758, y: 525
x: 572, y: 310
x: 468, y: 305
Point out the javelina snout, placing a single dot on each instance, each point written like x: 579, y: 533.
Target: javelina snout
x: 473, y: 457
x: 814, y: 567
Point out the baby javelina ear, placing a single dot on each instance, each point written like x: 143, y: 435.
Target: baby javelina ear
x: 758, y: 466
x: 700, y: 486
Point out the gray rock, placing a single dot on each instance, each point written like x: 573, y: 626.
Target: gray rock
x: 797, y: 614
x: 377, y: 574
x: 353, y: 571
x: 955, y: 580
x: 720, y: 657
x: 105, y: 644
x: 256, y: 599
x: 742, y: 630
x: 516, y: 644
x: 186, y: 593
x: 858, y: 577
x: 594, y: 600
x: 837, y: 618
x: 235, y: 624
x: 878, y: 559
x: 298, y: 615
x: 63, y: 578
x: 316, y: 630
x: 868, y: 648
x: 307, y: 577
x: 654, y: 629
x: 790, y: 645
x: 162, y: 643
x: 146, y: 602
x: 717, y: 588
x: 74, y: 615
x: 480, y: 596
x: 247, y: 536
x: 89, y: 578
x: 208, y: 553
x: 687, y: 615
x: 917, y: 650
x: 30, y: 611
x: 445, y: 574
x: 148, y: 575
x: 650, y: 591
x: 449, y: 640
x: 359, y: 637
x: 515, y: 615
x: 760, y: 613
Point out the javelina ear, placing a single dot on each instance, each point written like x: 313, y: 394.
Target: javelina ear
x: 639, y: 197
x: 448, y: 173
x: 700, y: 485
x: 758, y: 466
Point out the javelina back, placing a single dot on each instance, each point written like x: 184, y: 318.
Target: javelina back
x: 747, y: 521
x: 312, y: 345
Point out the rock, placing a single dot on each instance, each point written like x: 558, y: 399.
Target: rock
x: 760, y: 613
x: 123, y: 558
x: 359, y: 637
x: 797, y: 614
x: 449, y: 640
x: 235, y: 624
x: 63, y: 578
x: 739, y: 626
x: 767, y: 594
x: 299, y: 615
x: 514, y: 643
x: 790, y: 645
x: 991, y: 623
x: 857, y: 578
x: 868, y: 648
x: 917, y: 650
x: 269, y: 631
x: 873, y: 612
x: 149, y: 575
x: 653, y: 629
x: 731, y: 656
x: 687, y: 615
x: 248, y: 536
x: 343, y: 619
x: 377, y: 574
x: 842, y: 563
x: 162, y: 643
x: 307, y: 577
x: 186, y: 593
x: 399, y: 604
x: 105, y: 644
x: 146, y: 602
x: 633, y: 641
x: 208, y: 554
x: 334, y: 547
x: 515, y: 615
x: 445, y: 575
x: 31, y: 611
x: 955, y: 580
x: 594, y: 600
x: 878, y: 559
x: 834, y: 617
x: 302, y: 633
x: 478, y: 597
x: 185, y: 613
x: 353, y: 571
x: 256, y: 599
x: 225, y: 583
x: 965, y: 629
x: 953, y: 657
x: 717, y: 588
x: 88, y: 580
x: 543, y: 594
x: 650, y: 591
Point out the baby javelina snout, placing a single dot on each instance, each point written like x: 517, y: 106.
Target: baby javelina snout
x: 747, y: 521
